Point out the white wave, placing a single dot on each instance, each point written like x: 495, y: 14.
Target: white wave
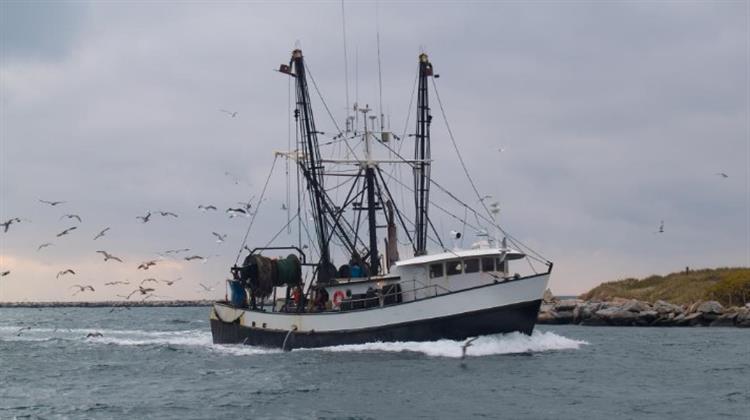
x: 511, y: 343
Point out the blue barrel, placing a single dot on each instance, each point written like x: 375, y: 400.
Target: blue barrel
x: 238, y: 296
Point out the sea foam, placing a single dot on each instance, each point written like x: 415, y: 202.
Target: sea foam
x: 511, y: 343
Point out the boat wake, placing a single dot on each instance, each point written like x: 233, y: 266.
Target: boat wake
x: 196, y: 338
x: 512, y: 343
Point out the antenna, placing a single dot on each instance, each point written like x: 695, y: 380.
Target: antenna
x: 346, y: 59
x: 380, y: 71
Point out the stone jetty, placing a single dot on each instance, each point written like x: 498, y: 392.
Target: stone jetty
x: 631, y: 312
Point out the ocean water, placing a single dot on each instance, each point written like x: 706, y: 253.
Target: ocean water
x: 160, y: 363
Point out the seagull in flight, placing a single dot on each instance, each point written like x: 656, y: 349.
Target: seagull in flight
x: 82, y: 288
x: 44, y: 245
x: 146, y: 265
x: 149, y: 279
x: 112, y: 283
x: 464, y: 347
x: 661, y: 227
x: 52, y: 203
x: 142, y: 290
x: 100, y: 234
x: 67, y: 231
x: 144, y: 219
x: 233, y: 212
x: 201, y: 207
x: 195, y: 257
x: 167, y: 213
x: 71, y: 216
x: 176, y: 251
x: 108, y: 256
x: 246, y: 205
x: 171, y: 282
x: 7, y: 224
x: 64, y: 272
x: 230, y: 113
x: 722, y: 174
x: 206, y: 288
x: 219, y: 237
x: 22, y: 330
x: 4, y: 273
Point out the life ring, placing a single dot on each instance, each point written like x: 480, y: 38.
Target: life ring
x: 337, y: 298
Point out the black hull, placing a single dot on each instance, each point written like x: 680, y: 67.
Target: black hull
x: 519, y: 317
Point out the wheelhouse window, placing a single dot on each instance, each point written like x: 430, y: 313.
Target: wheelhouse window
x: 488, y: 264
x: 436, y: 270
x: 453, y: 267
x: 471, y: 266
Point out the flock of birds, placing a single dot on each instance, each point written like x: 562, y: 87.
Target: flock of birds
x: 146, y: 288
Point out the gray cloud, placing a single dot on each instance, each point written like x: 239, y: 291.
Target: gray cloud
x: 614, y: 116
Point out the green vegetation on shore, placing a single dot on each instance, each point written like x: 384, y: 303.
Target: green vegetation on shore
x: 729, y: 286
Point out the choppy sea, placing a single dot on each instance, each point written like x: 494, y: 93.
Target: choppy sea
x: 160, y: 363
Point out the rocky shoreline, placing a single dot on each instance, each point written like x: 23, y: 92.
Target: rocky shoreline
x: 631, y: 312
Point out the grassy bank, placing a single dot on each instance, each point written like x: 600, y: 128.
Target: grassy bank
x: 730, y: 286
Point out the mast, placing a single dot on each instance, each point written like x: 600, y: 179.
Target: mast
x: 422, y: 158
x: 312, y: 166
x: 372, y: 204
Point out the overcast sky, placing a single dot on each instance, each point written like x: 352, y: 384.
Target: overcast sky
x: 613, y: 116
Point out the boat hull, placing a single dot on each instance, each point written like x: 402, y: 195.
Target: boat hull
x: 497, y: 307
x: 519, y: 317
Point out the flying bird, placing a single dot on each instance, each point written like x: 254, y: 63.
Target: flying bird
x: 142, y: 290
x: 176, y: 251
x: 236, y: 211
x: 501, y: 149
x: 82, y: 288
x: 201, y: 207
x: 71, y: 216
x: 149, y: 279
x: 661, y: 227
x: 94, y: 334
x: 7, y: 224
x: 723, y: 175
x: 100, y: 234
x: 108, y: 256
x: 195, y: 257
x: 44, y: 245
x: 171, y: 282
x: 167, y: 213
x: 112, y: 283
x: 219, y: 237
x: 67, y: 231
x: 230, y: 113
x: 465, y: 346
x: 144, y: 219
x: 52, y: 203
x: 22, y: 330
x: 283, y: 206
x: 245, y: 205
x: 146, y: 265
x: 4, y: 273
x: 64, y: 272
x: 206, y: 288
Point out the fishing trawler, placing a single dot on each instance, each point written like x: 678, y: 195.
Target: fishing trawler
x: 294, y: 296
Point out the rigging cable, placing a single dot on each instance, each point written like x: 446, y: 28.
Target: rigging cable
x: 510, y: 237
x: 458, y: 152
x: 257, y: 209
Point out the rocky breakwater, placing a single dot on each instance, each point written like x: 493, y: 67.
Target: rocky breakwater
x: 624, y: 312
